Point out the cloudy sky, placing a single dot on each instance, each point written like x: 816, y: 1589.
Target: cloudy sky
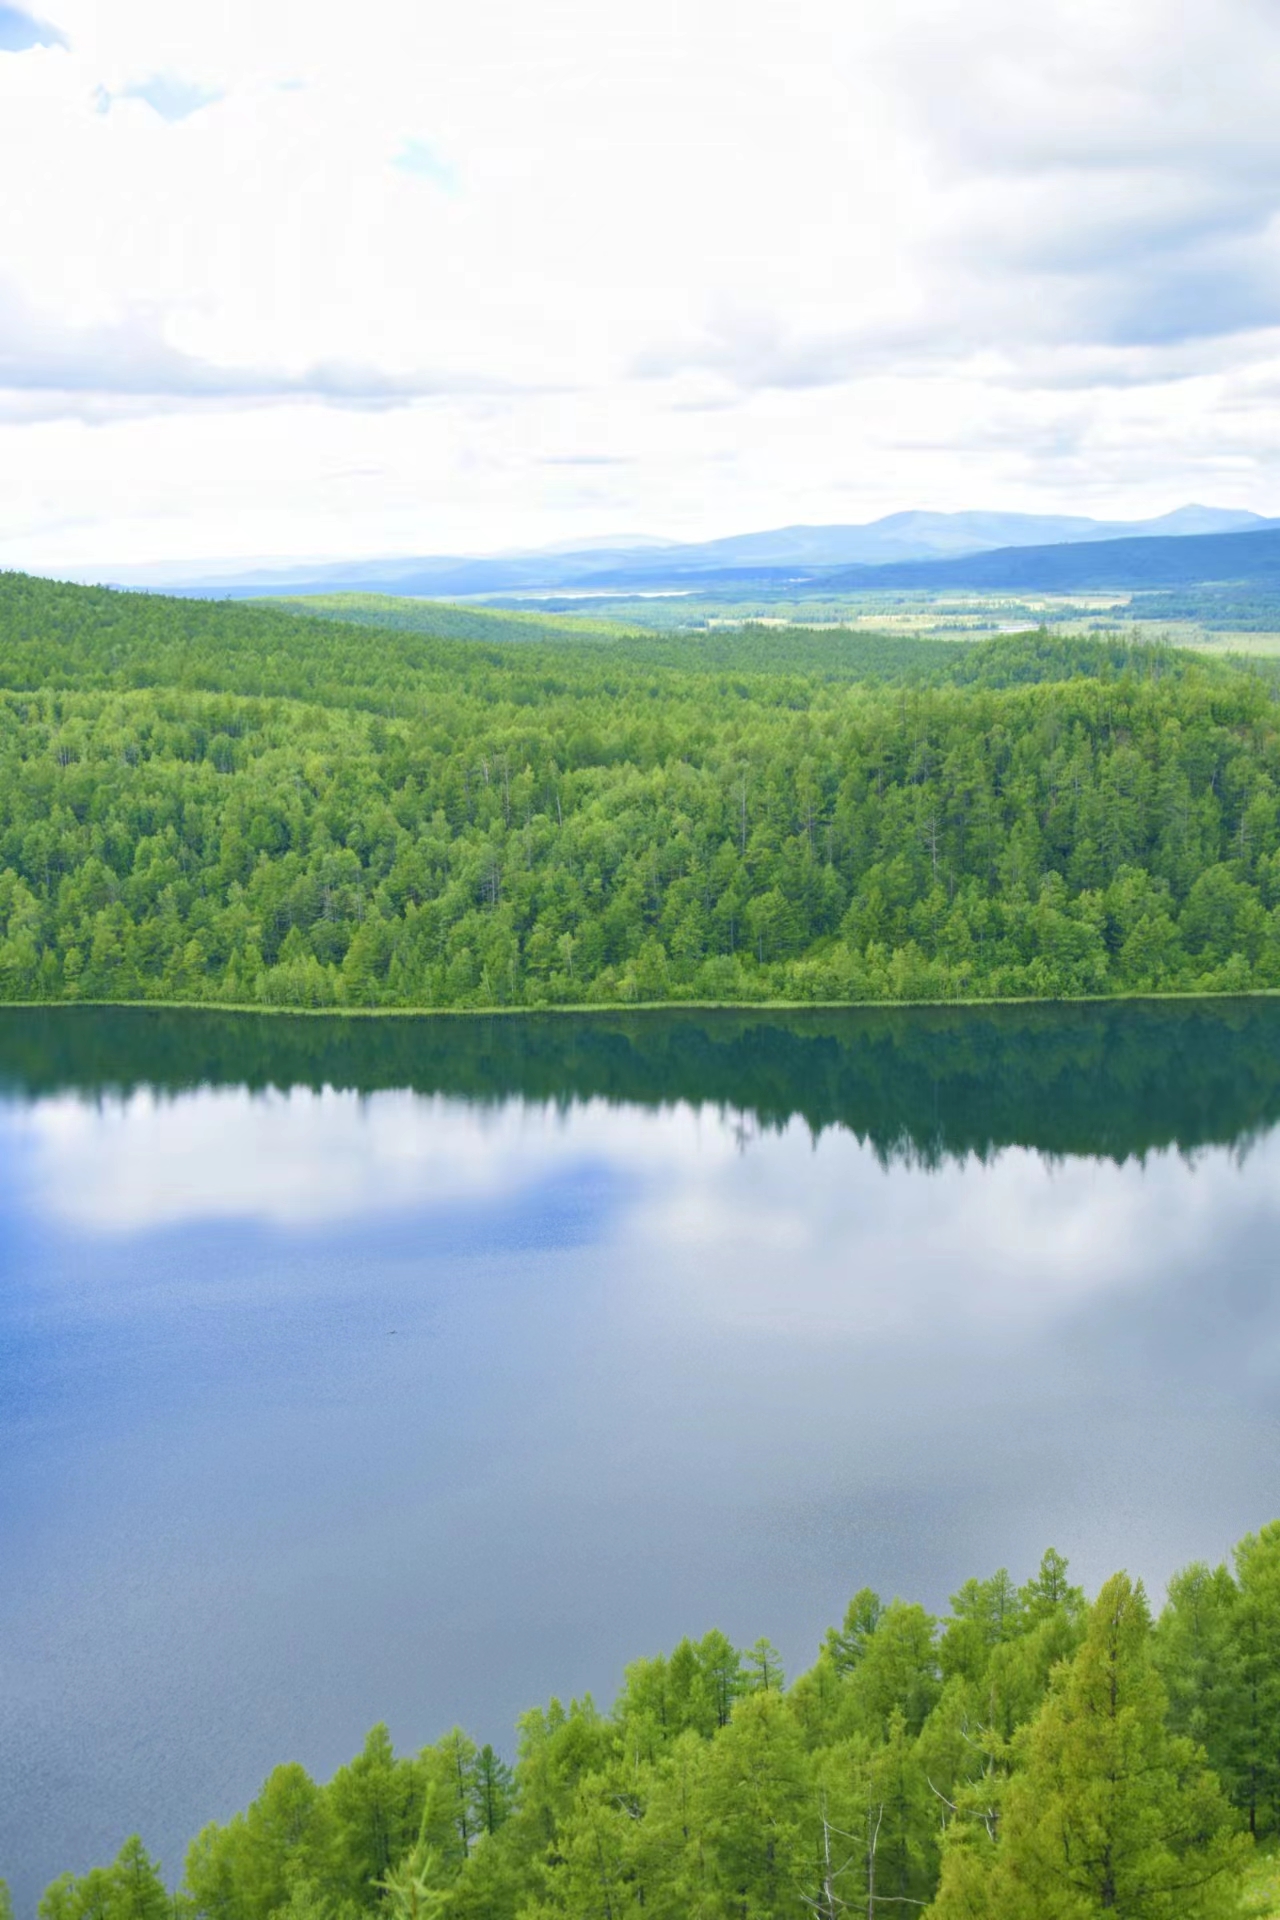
x: 303, y: 279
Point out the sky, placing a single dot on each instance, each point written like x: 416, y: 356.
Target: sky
x: 304, y: 280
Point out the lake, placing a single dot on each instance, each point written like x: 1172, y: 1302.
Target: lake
x: 418, y: 1370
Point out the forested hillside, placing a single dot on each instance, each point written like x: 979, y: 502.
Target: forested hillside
x: 1027, y: 1757
x: 223, y: 803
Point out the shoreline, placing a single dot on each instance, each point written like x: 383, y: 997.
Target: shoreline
x: 613, y: 1007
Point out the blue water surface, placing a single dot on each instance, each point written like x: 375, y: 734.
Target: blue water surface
x: 325, y: 1405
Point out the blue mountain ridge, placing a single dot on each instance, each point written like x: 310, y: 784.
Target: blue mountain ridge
x: 772, y: 558
x: 1194, y: 560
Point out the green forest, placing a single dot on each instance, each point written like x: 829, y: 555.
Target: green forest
x: 1027, y: 1757
x: 243, y: 805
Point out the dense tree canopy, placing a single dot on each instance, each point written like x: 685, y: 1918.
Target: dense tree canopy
x: 1028, y: 1757
x: 223, y: 803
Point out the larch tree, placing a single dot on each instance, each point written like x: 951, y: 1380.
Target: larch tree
x: 1257, y: 1676
x: 1109, y: 1813
x: 129, y: 1889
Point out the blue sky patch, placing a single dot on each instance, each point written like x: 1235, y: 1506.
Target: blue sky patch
x: 170, y: 97
x: 419, y: 158
x: 20, y: 31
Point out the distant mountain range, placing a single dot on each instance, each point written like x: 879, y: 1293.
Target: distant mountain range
x: 815, y: 557
x: 929, y: 536
x: 1195, y: 560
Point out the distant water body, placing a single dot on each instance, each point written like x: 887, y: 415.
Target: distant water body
x: 417, y: 1370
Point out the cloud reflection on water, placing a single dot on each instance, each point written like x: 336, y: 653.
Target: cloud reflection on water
x: 653, y: 1368
x: 783, y: 1233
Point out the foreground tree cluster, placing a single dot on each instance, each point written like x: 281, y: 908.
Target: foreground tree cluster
x: 227, y: 804
x: 1027, y: 1758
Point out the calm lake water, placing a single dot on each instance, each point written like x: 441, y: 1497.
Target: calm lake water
x: 417, y: 1371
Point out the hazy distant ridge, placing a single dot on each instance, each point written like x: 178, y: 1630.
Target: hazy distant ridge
x: 1197, y: 559
x: 782, y: 553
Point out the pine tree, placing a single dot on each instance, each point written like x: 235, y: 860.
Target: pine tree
x: 139, y: 1891
x: 376, y: 1809
x: 878, y: 1827
x: 412, y: 1889
x: 129, y: 1889
x: 450, y: 1817
x: 494, y: 1790
x: 1109, y: 1813
x: 1257, y: 1619
x: 862, y: 1616
x: 750, y: 1812
x: 1199, y: 1651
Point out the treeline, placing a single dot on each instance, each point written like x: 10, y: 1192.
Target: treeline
x: 750, y: 643
x: 216, y: 803
x: 743, y: 642
x: 1027, y: 1758
x: 1230, y: 609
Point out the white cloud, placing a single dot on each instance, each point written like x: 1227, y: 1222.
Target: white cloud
x: 287, y: 1159
x: 760, y: 264
x: 48, y: 370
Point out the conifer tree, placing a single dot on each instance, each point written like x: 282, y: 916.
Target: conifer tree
x: 754, y: 1797
x: 411, y: 1889
x: 494, y: 1790
x: 847, y: 1645
x: 878, y: 1826
x: 450, y: 1817
x: 1109, y: 1813
x: 129, y: 1889
x: 1201, y: 1660
x: 376, y: 1807
x: 1257, y: 1622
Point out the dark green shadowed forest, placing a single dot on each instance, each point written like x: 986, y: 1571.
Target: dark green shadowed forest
x: 233, y: 804
x: 920, y: 1085
x: 1028, y: 1757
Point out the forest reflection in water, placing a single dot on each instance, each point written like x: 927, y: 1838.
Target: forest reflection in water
x: 418, y: 1369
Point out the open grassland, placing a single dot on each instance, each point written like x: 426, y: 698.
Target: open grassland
x: 1216, y: 619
